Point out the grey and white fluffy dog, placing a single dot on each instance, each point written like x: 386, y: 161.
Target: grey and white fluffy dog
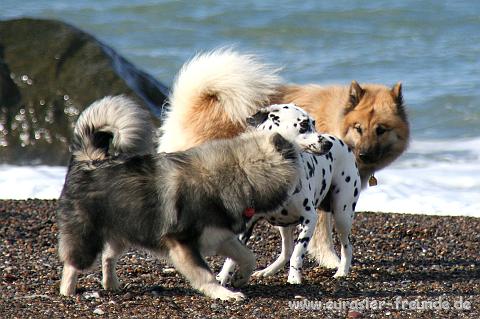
x: 180, y: 206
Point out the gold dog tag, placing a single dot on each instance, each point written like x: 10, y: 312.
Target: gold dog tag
x: 372, y: 181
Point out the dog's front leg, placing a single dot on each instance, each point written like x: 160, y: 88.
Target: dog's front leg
x: 287, y: 249
x: 189, y: 262
x: 307, y: 227
x: 240, y: 255
x: 227, y: 270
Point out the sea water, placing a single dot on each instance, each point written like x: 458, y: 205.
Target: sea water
x: 432, y: 47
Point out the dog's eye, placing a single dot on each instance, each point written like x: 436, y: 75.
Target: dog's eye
x: 358, y: 128
x: 305, y: 126
x: 380, y: 130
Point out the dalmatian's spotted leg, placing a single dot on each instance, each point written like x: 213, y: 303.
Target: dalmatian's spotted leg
x: 228, y: 268
x: 307, y: 227
x: 287, y: 249
x: 344, y: 212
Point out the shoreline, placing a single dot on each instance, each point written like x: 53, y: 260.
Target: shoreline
x: 421, y: 259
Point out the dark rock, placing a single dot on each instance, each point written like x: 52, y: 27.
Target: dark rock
x: 49, y: 72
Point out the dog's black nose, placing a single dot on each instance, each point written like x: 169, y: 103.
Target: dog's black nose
x: 367, y: 158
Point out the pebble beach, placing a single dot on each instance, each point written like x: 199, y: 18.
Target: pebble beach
x: 404, y: 266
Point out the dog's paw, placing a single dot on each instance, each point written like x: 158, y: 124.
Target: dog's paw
x: 294, y: 278
x: 223, y: 278
x: 235, y: 296
x: 340, y: 274
x: 267, y: 272
x: 239, y: 280
x: 222, y: 293
x: 112, y: 284
x: 67, y: 290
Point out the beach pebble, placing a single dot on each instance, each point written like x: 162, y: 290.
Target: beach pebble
x: 354, y: 314
x: 91, y: 295
x: 168, y: 270
x: 98, y: 311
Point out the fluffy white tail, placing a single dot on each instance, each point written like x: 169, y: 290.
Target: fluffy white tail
x: 117, y: 119
x: 212, y: 96
x: 321, y: 244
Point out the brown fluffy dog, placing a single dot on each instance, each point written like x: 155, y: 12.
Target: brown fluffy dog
x: 370, y: 118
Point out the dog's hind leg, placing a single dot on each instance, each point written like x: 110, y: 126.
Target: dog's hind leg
x: 78, y: 247
x: 68, y: 282
x: 240, y: 255
x: 343, y: 225
x: 110, y: 255
x: 287, y: 250
x: 188, y: 261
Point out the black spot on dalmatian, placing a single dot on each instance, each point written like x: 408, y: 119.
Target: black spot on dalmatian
x: 349, y: 149
x: 341, y: 142
x: 353, y: 206
x: 355, y: 193
x: 343, y: 173
x: 295, y: 125
x: 347, y: 179
x: 332, y: 138
x: 330, y: 167
x: 286, y: 107
x: 309, y: 186
x: 304, y: 240
x: 307, y: 221
x: 305, y: 202
x: 344, y: 207
x: 355, y: 184
x: 323, y: 171
x: 270, y: 127
x: 315, y: 160
x: 324, y: 186
x: 307, y: 208
x: 311, y: 169
x: 284, y: 212
x: 300, y: 220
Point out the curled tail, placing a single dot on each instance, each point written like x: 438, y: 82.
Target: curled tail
x: 212, y: 96
x: 115, y: 119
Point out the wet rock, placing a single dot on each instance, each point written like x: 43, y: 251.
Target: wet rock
x: 49, y: 72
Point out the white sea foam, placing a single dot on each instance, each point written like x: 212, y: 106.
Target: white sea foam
x: 434, y: 177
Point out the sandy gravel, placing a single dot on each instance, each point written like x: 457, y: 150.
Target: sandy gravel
x: 404, y: 261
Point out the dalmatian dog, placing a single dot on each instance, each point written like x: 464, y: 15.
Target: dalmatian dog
x: 334, y: 173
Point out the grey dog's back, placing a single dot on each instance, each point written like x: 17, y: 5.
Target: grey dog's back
x: 145, y: 198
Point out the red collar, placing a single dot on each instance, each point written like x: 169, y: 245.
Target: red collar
x: 249, y: 212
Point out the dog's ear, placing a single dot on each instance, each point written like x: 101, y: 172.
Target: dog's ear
x: 257, y: 118
x: 284, y: 147
x: 397, y: 93
x: 356, y: 93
